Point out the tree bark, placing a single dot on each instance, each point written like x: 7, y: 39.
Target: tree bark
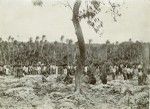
x: 145, y: 63
x: 81, y: 45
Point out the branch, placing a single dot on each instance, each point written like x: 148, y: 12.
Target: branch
x: 67, y: 5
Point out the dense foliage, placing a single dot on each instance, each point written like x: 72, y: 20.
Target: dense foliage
x: 64, y: 52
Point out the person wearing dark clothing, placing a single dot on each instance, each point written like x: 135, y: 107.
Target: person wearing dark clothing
x: 103, y: 75
x: 92, y: 79
x: 68, y: 79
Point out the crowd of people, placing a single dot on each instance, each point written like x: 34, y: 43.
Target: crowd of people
x: 65, y: 73
x: 128, y: 71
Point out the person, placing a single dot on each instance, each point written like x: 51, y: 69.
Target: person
x: 19, y: 71
x: 38, y: 68
x: 120, y: 69
x: 1, y: 70
x: 7, y: 70
x: 113, y: 72
x: 85, y: 69
x: 103, y: 75
x: 90, y: 70
x: 140, y: 76
x: 125, y: 72
x: 92, y: 79
x: 25, y: 70
x: 135, y: 70
x: 44, y: 70
x: 116, y: 70
x: 128, y: 72
x: 68, y: 79
x: 131, y: 72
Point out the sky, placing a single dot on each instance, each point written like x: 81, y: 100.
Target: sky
x: 20, y: 19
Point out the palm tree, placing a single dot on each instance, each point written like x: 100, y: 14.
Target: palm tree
x: 107, y: 44
x: 70, y: 52
x: 1, y: 47
x: 117, y: 42
x: 61, y: 48
x: 10, y: 39
x: 37, y: 39
x: 55, y: 53
x: 62, y: 38
x: 36, y: 49
x: 90, y: 41
x: 13, y: 50
x: 42, y: 44
x: 1, y: 39
x: 130, y: 40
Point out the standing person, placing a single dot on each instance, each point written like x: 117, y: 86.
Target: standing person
x: 128, y: 72
x: 103, y: 75
x: 25, y: 70
x: 56, y: 69
x: 65, y: 70
x: 44, y: 70
x: 30, y: 67
x: 113, y: 69
x: 7, y: 70
x: 135, y: 70
x: 116, y: 71
x: 140, y: 66
x: 85, y: 69
x: 125, y: 72
x: 19, y: 71
x: 68, y: 79
x: 38, y: 69
x: 1, y: 70
x: 140, y: 76
x: 120, y: 69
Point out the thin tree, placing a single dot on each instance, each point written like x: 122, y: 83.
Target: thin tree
x: 61, y: 48
x: 42, y: 42
x: 89, y: 49
x: 146, y: 59
x: 89, y: 13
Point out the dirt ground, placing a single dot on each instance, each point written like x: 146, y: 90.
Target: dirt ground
x: 38, y: 92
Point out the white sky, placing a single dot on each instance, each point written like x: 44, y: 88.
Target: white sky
x: 20, y: 17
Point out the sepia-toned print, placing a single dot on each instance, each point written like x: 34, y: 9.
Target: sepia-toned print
x: 74, y: 54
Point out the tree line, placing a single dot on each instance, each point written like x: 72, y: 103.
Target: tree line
x: 64, y: 52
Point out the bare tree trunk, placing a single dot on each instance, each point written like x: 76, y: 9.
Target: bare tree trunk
x: 145, y: 63
x: 81, y: 44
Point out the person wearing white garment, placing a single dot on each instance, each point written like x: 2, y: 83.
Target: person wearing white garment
x: 113, y: 69
x: 135, y: 71
x: 140, y: 77
x: 25, y: 70
x: 44, y: 70
x: 65, y: 71
x: 86, y: 69
x: 38, y: 69
x: 7, y: 71
x: 56, y: 68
